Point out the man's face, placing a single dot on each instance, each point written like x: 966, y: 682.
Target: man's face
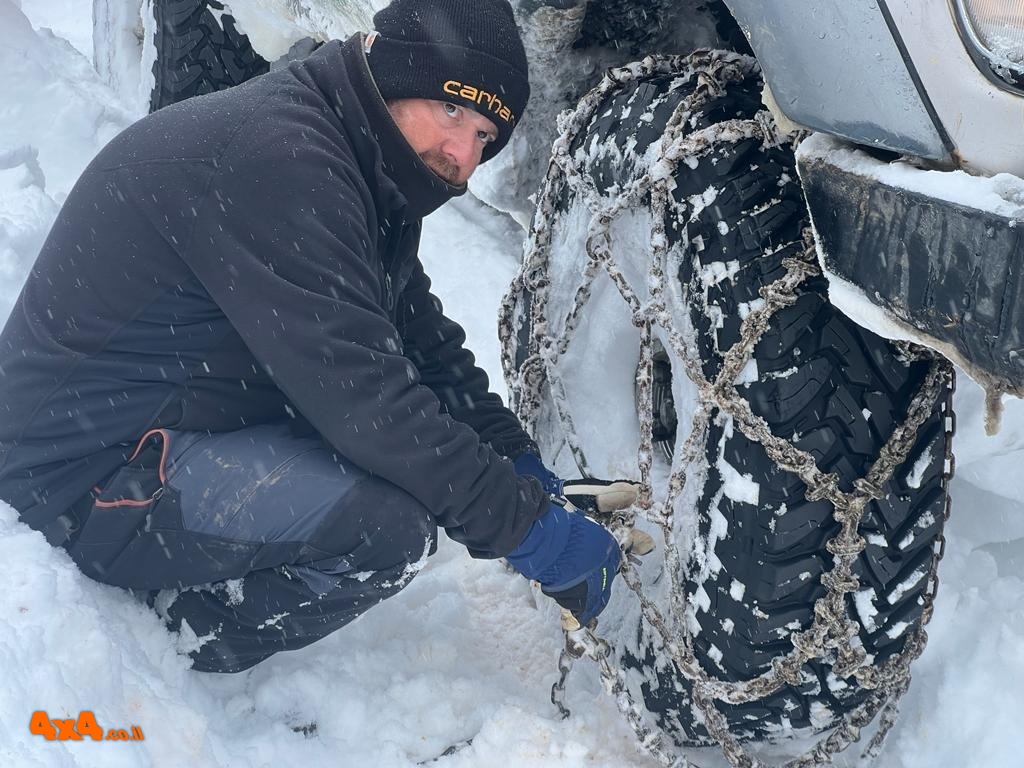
x: 450, y: 138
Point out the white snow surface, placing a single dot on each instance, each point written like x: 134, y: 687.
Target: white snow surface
x: 464, y: 651
x: 273, y: 25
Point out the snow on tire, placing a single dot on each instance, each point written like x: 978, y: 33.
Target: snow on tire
x: 601, y: 304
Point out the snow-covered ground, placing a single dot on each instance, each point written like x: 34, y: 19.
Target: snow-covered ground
x: 463, y: 652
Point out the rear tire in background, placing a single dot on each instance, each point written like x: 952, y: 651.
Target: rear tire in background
x: 197, y: 52
x: 755, y: 549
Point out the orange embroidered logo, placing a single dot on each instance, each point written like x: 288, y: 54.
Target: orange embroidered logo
x: 478, y: 96
x: 70, y: 729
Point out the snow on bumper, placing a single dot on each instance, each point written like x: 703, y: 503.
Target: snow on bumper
x: 930, y: 256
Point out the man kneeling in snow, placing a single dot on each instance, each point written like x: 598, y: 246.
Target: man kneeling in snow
x: 226, y: 363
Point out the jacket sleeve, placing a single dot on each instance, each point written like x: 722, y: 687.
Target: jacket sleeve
x: 285, y: 242
x: 435, y: 343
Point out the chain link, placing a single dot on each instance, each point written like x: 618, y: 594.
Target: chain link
x: 833, y: 634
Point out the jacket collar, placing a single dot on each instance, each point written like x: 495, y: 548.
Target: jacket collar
x: 416, y: 187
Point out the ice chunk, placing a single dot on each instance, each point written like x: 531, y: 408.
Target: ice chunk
x: 736, y: 590
x: 916, y: 473
x: 865, y: 602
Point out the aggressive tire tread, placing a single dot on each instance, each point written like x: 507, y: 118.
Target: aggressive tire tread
x: 198, y: 54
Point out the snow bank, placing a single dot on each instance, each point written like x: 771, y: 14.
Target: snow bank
x: 273, y: 25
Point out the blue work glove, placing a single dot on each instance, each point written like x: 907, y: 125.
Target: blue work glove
x: 589, y: 494
x: 531, y: 465
x: 574, y: 559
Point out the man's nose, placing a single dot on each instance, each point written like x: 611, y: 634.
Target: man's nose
x: 466, y: 149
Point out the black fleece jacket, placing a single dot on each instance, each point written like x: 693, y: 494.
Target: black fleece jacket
x: 246, y: 257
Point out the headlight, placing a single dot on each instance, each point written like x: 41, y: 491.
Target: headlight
x: 995, y: 29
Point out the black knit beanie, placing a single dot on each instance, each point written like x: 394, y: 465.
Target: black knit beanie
x: 467, y: 52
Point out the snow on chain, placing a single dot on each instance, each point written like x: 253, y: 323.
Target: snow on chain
x: 833, y: 629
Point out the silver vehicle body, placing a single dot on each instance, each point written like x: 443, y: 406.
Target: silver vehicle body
x: 893, y: 74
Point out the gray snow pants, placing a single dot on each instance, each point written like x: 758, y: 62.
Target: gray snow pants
x: 250, y: 542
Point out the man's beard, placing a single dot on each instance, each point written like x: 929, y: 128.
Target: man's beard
x: 443, y: 166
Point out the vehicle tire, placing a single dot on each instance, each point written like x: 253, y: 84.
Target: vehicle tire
x: 754, y: 549
x: 197, y: 52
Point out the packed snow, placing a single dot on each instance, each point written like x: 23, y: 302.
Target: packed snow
x: 467, y: 651
x: 1001, y: 194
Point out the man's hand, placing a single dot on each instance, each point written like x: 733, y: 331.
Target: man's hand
x: 595, y: 496
x: 588, y: 494
x: 530, y: 464
x: 574, y: 559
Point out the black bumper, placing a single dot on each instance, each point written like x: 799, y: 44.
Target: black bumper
x: 953, y: 273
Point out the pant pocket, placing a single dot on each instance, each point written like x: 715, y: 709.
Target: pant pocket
x: 122, y: 508
x: 134, y: 536
x: 122, y: 533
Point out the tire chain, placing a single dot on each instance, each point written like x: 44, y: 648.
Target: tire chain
x: 830, y: 634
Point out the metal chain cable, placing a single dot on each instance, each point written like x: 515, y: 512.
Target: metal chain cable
x: 832, y: 631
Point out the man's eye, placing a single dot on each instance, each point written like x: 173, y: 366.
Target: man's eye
x: 451, y: 109
x: 485, y: 136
